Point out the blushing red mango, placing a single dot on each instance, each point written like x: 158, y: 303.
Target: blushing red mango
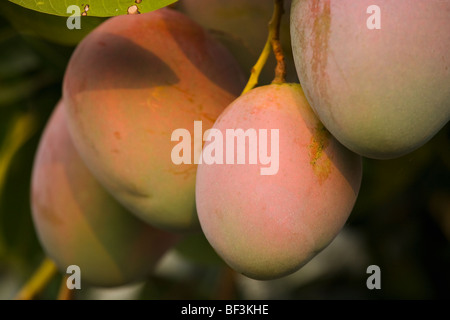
x: 130, y: 84
x: 381, y: 92
x: 267, y: 226
x: 79, y: 223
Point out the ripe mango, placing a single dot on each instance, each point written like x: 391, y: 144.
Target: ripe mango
x: 376, y: 72
x: 267, y: 226
x: 79, y: 223
x: 129, y: 84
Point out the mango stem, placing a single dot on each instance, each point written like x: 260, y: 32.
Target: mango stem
x: 38, y: 281
x: 274, y: 26
x: 273, y: 42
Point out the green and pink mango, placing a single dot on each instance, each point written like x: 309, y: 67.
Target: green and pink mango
x: 376, y: 72
x: 266, y: 226
x: 129, y: 84
x: 79, y: 223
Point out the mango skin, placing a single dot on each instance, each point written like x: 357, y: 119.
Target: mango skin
x: 79, y: 223
x: 268, y: 226
x: 129, y: 84
x: 382, y: 93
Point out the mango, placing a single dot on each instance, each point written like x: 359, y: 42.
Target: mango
x: 376, y: 72
x: 267, y: 225
x: 79, y: 223
x: 129, y: 84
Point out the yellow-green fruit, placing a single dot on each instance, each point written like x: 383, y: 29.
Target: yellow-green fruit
x: 376, y: 72
x: 79, y: 223
x: 129, y: 85
x: 242, y: 25
x: 268, y: 223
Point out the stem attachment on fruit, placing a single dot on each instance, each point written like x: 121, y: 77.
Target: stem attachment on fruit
x: 38, y: 281
x: 273, y: 42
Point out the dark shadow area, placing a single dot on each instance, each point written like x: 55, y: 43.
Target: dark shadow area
x: 112, y: 61
x: 209, y: 56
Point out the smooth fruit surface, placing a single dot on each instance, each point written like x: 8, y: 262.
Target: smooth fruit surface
x: 129, y: 85
x: 267, y: 226
x: 381, y: 92
x: 79, y: 223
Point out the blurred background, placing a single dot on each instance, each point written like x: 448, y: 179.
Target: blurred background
x: 401, y: 221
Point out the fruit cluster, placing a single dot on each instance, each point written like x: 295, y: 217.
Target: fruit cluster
x: 108, y: 197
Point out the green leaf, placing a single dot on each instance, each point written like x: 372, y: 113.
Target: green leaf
x: 95, y: 8
x: 46, y: 26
